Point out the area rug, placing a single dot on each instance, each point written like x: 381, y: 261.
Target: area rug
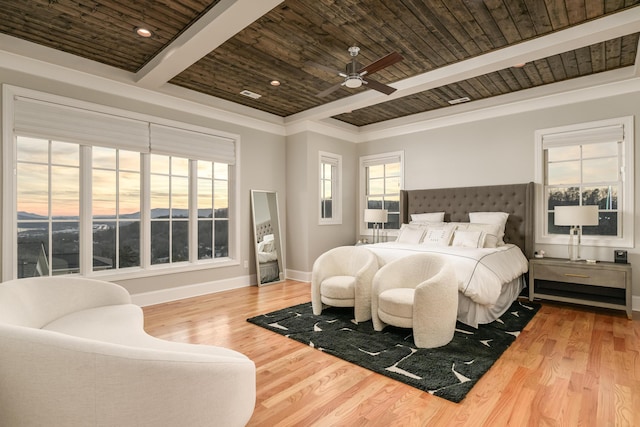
x: 448, y: 372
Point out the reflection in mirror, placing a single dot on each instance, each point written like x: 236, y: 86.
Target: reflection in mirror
x: 267, y: 237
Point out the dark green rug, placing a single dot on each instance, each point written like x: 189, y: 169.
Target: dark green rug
x: 448, y: 372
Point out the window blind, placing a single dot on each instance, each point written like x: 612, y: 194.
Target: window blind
x: 613, y: 133
x: 382, y: 159
x: 48, y: 120
x: 173, y: 141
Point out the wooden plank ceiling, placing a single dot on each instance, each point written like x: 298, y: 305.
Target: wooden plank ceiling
x: 429, y: 34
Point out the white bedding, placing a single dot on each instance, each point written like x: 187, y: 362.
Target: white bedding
x: 267, y: 256
x: 481, y: 272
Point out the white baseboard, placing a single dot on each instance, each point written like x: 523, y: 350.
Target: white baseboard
x: 635, y: 303
x: 180, y: 292
x: 300, y: 276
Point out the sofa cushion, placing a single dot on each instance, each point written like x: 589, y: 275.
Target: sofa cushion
x: 123, y: 324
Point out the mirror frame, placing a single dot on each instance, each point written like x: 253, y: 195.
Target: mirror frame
x: 271, y: 198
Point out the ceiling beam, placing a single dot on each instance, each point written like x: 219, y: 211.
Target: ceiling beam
x: 222, y: 22
x: 599, y: 30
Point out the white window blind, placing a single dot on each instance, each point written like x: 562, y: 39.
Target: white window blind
x: 184, y: 143
x: 48, y: 120
x: 376, y: 160
x: 584, y: 136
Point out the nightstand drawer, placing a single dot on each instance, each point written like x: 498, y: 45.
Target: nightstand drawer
x: 580, y: 275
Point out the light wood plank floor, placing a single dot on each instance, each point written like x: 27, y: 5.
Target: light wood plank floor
x: 571, y: 366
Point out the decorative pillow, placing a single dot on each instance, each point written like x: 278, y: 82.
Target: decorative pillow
x: 428, y: 217
x: 499, y: 218
x: 468, y: 239
x: 266, y: 246
x: 438, y: 235
x: 410, y: 234
x: 490, y: 231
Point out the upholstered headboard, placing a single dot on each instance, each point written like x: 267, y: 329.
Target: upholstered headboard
x: 515, y: 199
x: 263, y: 229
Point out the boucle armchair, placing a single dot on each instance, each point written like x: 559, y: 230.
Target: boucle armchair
x: 73, y: 352
x: 341, y: 277
x: 419, y: 292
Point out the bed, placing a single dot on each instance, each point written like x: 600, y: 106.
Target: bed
x: 490, y: 278
x: 266, y: 253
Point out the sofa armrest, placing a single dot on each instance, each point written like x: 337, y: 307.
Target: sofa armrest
x: 38, y: 301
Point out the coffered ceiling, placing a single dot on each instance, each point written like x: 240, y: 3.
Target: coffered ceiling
x: 453, y: 49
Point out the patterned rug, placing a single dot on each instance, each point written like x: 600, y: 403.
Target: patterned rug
x: 448, y: 372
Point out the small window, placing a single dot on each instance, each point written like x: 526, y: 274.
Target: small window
x: 330, y: 188
x: 382, y: 179
x: 587, y: 164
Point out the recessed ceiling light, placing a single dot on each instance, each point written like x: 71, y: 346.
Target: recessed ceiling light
x: 275, y: 83
x: 522, y: 64
x: 143, y: 32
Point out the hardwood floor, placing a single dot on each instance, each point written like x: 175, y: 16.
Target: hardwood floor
x: 571, y: 366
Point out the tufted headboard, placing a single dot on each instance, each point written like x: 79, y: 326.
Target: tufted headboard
x: 515, y: 199
x: 262, y: 229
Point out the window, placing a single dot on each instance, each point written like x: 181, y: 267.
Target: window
x: 91, y: 192
x: 115, y: 190
x: 381, y: 177
x: 330, y: 188
x: 47, y: 208
x: 213, y: 210
x: 588, y: 164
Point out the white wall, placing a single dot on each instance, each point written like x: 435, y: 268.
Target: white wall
x: 501, y: 151
x: 262, y: 166
x: 308, y: 239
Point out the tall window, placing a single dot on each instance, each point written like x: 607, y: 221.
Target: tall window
x: 115, y: 189
x: 48, y: 211
x: 588, y: 164
x: 330, y: 188
x: 92, y: 192
x: 169, y: 209
x: 213, y: 210
x: 382, y: 176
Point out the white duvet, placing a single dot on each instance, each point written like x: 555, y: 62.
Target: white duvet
x: 481, y: 272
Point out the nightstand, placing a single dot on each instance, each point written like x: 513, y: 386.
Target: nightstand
x: 602, y: 284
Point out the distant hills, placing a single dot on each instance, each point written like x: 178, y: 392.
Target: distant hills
x: 155, y: 213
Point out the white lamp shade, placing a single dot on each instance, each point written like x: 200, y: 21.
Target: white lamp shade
x: 376, y: 215
x: 576, y: 215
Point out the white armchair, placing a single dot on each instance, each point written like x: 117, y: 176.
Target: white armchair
x: 419, y: 292
x: 74, y: 353
x: 341, y: 277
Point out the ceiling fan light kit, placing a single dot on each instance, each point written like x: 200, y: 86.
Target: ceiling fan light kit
x: 354, y: 77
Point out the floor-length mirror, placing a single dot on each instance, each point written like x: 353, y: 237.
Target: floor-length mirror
x: 267, y: 237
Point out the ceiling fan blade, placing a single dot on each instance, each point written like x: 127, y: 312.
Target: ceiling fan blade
x: 324, y: 68
x: 381, y: 63
x: 380, y: 87
x: 329, y: 91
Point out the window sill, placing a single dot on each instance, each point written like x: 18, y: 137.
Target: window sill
x: 159, y: 270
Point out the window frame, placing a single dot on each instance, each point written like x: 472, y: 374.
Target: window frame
x: 371, y: 160
x: 9, y: 196
x: 625, y: 194
x: 335, y: 160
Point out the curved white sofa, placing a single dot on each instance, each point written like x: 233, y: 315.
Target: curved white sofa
x: 73, y: 352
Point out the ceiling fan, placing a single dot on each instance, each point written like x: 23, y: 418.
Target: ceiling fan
x: 354, y: 76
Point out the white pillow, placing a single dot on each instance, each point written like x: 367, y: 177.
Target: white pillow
x: 490, y: 231
x: 428, y: 217
x: 468, y: 239
x: 438, y: 235
x: 410, y: 234
x: 499, y: 218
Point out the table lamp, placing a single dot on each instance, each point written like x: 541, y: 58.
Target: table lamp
x: 576, y: 217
